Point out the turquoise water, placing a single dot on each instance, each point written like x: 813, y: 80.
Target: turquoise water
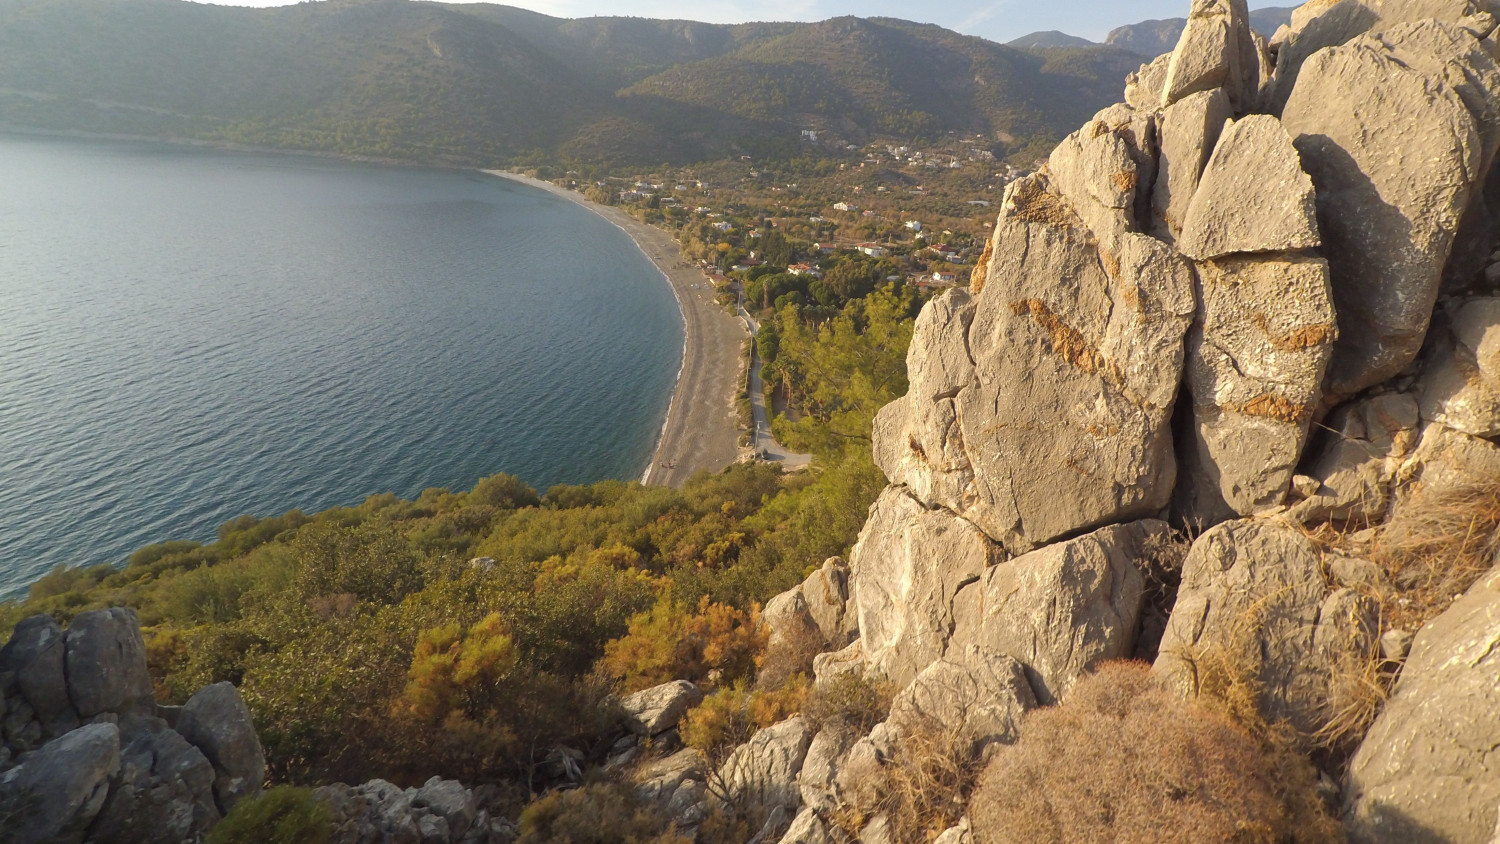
x: 190, y: 335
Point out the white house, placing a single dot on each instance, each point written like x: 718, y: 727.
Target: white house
x: 874, y: 250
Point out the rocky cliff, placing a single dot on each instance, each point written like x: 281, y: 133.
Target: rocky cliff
x: 1254, y: 302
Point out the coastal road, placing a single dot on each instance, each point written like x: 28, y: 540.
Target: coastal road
x: 702, y: 428
x: 762, y: 442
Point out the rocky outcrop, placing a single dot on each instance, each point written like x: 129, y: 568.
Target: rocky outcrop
x: 1353, y: 474
x: 763, y: 772
x: 973, y: 695
x: 1216, y: 50
x: 655, y: 710
x: 1189, y: 132
x: 55, y: 794
x: 438, y: 812
x: 1461, y: 384
x: 1253, y: 609
x: 218, y: 723
x: 1428, y: 770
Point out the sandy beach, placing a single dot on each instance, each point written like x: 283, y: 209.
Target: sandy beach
x: 701, y: 431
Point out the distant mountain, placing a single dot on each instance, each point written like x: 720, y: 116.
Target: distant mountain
x: 1049, y: 38
x: 1154, y: 37
x: 476, y: 83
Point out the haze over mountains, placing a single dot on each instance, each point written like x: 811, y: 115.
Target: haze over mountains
x: 1153, y: 37
x: 476, y: 83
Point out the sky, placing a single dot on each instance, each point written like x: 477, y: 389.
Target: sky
x: 997, y: 20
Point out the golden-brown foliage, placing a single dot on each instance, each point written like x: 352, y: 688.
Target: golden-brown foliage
x: 603, y: 813
x: 729, y: 717
x: 1124, y: 760
x: 923, y: 790
x: 669, y: 642
x: 1436, y: 545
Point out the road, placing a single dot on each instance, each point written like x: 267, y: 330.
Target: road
x: 761, y: 441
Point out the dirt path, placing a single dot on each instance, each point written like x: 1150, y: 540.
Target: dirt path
x: 701, y: 430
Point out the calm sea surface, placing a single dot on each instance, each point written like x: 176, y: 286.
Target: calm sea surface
x: 187, y: 336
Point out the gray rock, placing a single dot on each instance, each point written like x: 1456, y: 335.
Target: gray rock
x: 163, y: 793
x: 35, y: 655
x: 961, y: 833
x: 449, y: 800
x: 1216, y: 50
x: 216, y: 721
x: 658, y: 709
x: 904, y: 599
x: 1061, y: 610
x: 826, y: 594
x: 1445, y: 459
x: 1077, y: 355
x: 820, y: 768
x: 1094, y: 169
x: 661, y: 780
x: 1253, y: 606
x: 762, y: 773
x: 1138, y: 129
x: 1189, y: 131
x: 1257, y: 355
x: 1427, y: 770
x: 834, y: 666
x: 1370, y: 441
x: 1360, y: 119
x: 1143, y: 89
x: 1395, y: 645
x: 106, y: 664
x: 971, y: 695
x: 1460, y: 386
x: 1252, y: 197
x: 807, y: 828
x: 58, y: 790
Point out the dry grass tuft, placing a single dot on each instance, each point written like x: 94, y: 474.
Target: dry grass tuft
x: 1436, y: 545
x: 1125, y: 760
x: 921, y: 792
x: 1160, y: 565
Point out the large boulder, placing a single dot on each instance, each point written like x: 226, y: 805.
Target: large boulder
x: 655, y: 710
x: 1189, y: 130
x: 908, y: 564
x: 217, y: 722
x: 163, y: 793
x: 1253, y: 195
x: 1395, y: 156
x: 1076, y: 354
x: 677, y: 784
x: 106, y: 664
x: 762, y: 773
x: 971, y: 695
x: 1094, y: 169
x: 1257, y: 356
x: 1253, y: 609
x: 35, y: 657
x: 1216, y: 50
x: 1460, y: 385
x: 58, y: 790
x: 1061, y: 610
x: 1427, y: 770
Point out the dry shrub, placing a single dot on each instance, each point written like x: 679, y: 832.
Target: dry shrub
x: 923, y: 790
x: 788, y: 655
x: 1436, y: 545
x: 851, y: 700
x: 1160, y: 565
x: 603, y: 813
x: 1124, y: 760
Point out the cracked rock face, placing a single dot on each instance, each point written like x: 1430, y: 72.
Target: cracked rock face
x: 1044, y: 411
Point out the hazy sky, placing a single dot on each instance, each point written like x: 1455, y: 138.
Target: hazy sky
x: 999, y: 20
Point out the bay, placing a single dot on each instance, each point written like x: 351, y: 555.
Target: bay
x: 189, y: 335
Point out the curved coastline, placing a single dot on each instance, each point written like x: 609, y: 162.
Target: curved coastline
x: 701, y: 429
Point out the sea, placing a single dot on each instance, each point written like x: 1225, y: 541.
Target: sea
x: 188, y: 335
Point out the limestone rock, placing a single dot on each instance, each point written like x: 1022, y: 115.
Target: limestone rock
x: 35, y: 655
x: 807, y: 828
x: 1077, y: 355
x: 826, y: 594
x: 1189, y: 131
x: 684, y: 771
x: 834, y: 666
x: 1460, y: 387
x: 1252, y: 197
x: 1095, y: 171
x: 449, y: 800
x: 1257, y: 355
x: 908, y: 564
x: 1394, y: 155
x: 821, y: 766
x: 1360, y: 460
x: 1253, y: 603
x: 1138, y: 129
x: 973, y: 695
x: 216, y: 721
x: 1143, y: 89
x: 1216, y: 50
x: 1427, y: 769
x: 1446, y: 459
x: 658, y: 709
x: 58, y: 790
x: 961, y: 833
x: 762, y: 773
x: 106, y: 664
x: 1061, y: 610
x: 163, y: 793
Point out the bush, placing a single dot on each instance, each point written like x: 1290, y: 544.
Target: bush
x: 670, y: 643
x: 603, y: 813
x: 1436, y: 545
x: 1124, y: 760
x: 283, y: 815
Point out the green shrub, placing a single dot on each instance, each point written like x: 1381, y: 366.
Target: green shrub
x: 283, y: 815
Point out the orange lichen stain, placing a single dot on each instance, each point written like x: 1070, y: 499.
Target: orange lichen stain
x: 982, y: 268
x: 1100, y: 431
x: 1125, y: 180
x: 1031, y: 203
x: 1099, y: 127
x: 1110, y: 262
x: 1307, y: 337
x: 1066, y: 340
x: 1268, y: 406
x: 917, y: 449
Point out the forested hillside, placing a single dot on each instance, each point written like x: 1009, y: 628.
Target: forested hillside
x: 483, y: 84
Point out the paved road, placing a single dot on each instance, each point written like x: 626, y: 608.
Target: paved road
x: 762, y: 441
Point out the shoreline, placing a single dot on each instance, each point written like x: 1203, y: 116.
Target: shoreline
x: 701, y: 428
